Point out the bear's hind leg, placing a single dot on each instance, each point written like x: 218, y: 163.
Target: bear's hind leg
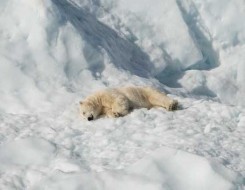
x: 160, y: 99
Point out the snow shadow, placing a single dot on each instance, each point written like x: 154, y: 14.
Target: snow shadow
x: 203, y: 39
x: 123, y: 53
x: 200, y: 36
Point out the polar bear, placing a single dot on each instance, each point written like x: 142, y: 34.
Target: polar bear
x: 118, y: 102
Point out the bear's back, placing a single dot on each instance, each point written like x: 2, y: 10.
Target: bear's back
x: 137, y: 96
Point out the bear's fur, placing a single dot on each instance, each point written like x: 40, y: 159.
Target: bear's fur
x: 120, y: 101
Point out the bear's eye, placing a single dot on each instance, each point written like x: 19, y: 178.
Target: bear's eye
x: 83, y: 113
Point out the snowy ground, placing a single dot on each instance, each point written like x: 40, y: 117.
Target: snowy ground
x: 53, y: 53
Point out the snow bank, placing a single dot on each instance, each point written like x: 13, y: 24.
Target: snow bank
x: 155, y: 29
x: 42, y: 57
x: 204, y: 37
x: 168, y: 166
x: 220, y: 33
x: 164, y: 169
x: 52, y: 49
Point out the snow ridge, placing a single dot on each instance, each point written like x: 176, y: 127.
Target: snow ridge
x: 123, y: 53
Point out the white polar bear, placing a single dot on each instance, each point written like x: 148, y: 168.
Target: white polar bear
x: 120, y: 101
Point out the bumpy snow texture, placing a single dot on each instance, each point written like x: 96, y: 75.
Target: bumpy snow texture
x: 54, y: 53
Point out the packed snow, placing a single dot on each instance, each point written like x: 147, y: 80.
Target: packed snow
x: 53, y: 53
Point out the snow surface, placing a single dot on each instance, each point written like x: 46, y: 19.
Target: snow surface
x: 53, y: 53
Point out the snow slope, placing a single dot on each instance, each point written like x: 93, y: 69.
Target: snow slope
x: 55, y: 52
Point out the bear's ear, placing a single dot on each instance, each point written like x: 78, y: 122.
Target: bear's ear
x: 81, y: 103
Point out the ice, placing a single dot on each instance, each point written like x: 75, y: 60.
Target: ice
x: 53, y: 53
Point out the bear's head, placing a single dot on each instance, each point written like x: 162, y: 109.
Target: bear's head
x: 89, y: 110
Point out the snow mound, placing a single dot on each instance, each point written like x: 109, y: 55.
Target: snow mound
x: 168, y: 166
x: 164, y: 169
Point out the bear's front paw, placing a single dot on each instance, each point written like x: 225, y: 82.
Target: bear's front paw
x: 173, y: 106
x: 116, y: 114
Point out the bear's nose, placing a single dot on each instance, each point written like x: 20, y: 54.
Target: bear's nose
x: 90, y: 118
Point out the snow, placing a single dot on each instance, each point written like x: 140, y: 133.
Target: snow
x: 156, y: 33
x: 53, y: 53
x: 164, y: 169
x: 39, y: 152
